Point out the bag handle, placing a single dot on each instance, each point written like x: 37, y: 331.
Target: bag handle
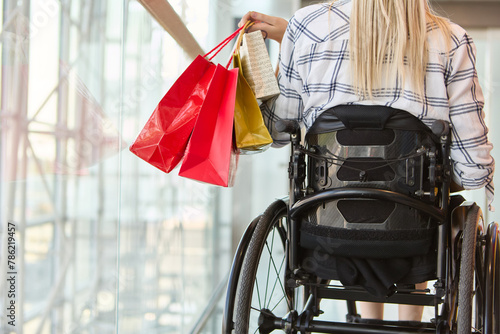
x: 222, y: 44
x: 247, y: 25
x: 237, y: 45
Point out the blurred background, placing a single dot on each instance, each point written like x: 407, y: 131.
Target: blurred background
x: 105, y: 243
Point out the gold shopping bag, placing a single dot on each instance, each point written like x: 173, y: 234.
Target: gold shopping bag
x: 251, y: 133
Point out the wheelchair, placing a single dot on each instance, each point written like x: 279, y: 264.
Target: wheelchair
x: 369, y: 215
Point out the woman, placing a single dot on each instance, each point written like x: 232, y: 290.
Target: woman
x: 395, y: 53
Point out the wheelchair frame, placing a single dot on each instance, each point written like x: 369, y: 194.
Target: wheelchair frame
x: 483, y: 280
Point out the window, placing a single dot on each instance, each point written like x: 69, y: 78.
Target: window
x: 105, y: 243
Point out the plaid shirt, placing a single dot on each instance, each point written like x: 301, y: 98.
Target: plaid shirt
x: 314, y: 75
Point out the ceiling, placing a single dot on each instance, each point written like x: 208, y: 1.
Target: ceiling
x: 467, y: 13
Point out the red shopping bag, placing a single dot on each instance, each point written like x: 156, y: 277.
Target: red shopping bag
x: 163, y: 140
x: 210, y: 155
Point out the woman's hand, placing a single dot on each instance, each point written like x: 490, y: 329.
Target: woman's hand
x: 272, y: 27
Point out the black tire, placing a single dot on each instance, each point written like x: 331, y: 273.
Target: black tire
x: 496, y: 279
x: 261, y: 286
x: 467, y: 270
x: 492, y: 285
x: 496, y: 294
x: 232, y: 285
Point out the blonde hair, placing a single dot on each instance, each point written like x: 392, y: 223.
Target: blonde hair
x: 389, y: 37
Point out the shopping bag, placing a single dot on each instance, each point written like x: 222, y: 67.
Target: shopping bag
x: 251, y: 134
x: 209, y: 155
x: 163, y: 140
x: 257, y: 67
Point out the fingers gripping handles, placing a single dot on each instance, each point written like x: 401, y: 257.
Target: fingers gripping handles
x: 243, y: 30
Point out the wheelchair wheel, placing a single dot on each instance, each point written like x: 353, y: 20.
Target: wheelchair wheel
x: 262, y: 293
x: 492, y: 284
x: 466, y: 287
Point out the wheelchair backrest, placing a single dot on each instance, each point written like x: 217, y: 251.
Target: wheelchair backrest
x: 374, y: 147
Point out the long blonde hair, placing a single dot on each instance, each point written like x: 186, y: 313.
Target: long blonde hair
x: 389, y: 37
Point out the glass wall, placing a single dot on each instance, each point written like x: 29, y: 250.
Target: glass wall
x: 177, y: 236
x: 487, y: 42
x: 59, y: 163
x: 93, y: 239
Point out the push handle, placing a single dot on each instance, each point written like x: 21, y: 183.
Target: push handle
x: 287, y: 126
x: 440, y: 128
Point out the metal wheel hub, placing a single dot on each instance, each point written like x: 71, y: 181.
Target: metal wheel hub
x: 268, y: 322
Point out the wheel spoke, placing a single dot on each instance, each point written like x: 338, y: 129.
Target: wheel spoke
x: 277, y: 279
x: 279, y: 301
x: 269, y: 263
x: 253, y: 308
x: 258, y: 293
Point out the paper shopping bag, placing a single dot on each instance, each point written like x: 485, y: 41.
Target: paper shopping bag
x: 209, y: 154
x: 163, y: 140
x: 257, y: 67
x: 251, y: 134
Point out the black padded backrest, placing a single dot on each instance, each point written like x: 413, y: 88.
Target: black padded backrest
x: 374, y: 147
x: 355, y: 240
